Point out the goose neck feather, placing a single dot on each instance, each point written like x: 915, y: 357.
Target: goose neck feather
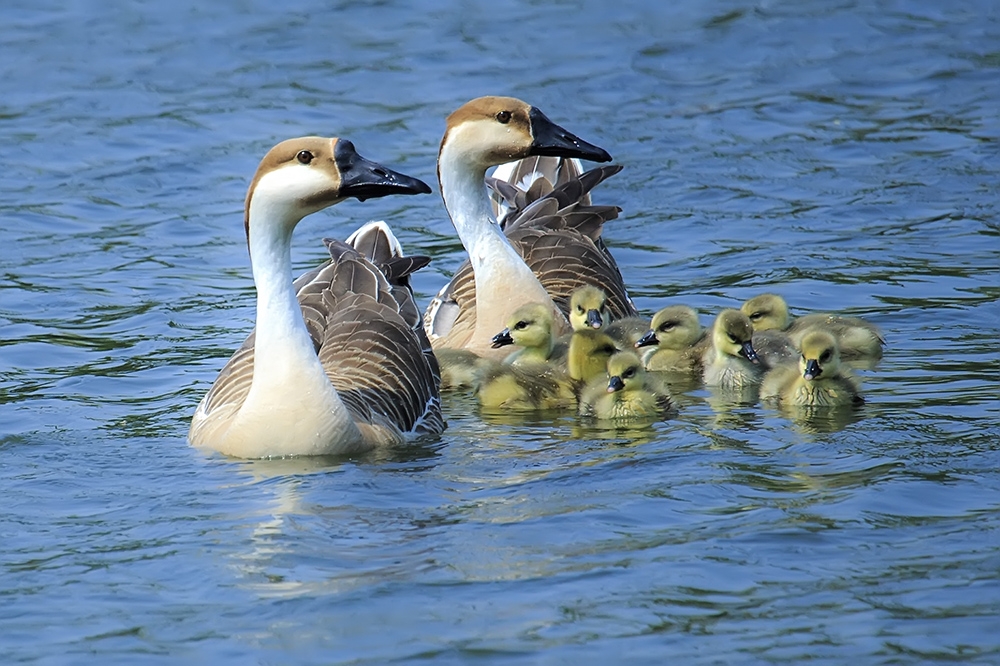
x: 503, y: 280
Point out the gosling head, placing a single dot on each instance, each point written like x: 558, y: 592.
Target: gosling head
x: 528, y: 326
x: 488, y: 131
x: 302, y: 176
x: 673, y: 327
x: 820, y: 355
x: 588, y: 308
x: 766, y: 312
x: 624, y: 371
x: 732, y: 333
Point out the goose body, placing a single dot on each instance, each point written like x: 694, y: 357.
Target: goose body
x: 337, y: 362
x: 675, y: 341
x: 817, y: 380
x: 730, y: 361
x: 542, y: 251
x: 857, y: 339
x: 628, y: 392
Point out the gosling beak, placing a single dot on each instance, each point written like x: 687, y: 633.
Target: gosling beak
x: 554, y: 141
x: 747, y: 352
x: 648, y: 338
x: 594, y: 319
x: 615, y: 384
x: 365, y: 179
x: 812, y: 369
x: 502, y: 339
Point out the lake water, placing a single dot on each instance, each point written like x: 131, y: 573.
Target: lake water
x: 844, y: 154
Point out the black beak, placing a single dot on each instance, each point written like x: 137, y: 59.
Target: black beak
x: 553, y: 141
x: 648, y: 338
x: 615, y: 384
x: 812, y: 369
x: 747, y: 352
x: 502, y: 339
x: 594, y: 319
x: 365, y: 179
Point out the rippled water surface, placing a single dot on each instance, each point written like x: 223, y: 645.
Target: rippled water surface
x: 844, y: 154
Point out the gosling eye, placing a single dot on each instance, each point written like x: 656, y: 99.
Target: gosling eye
x: 732, y: 338
x: 825, y: 356
x: 756, y: 316
x: 520, y: 326
x: 666, y: 326
x: 607, y: 349
x: 305, y: 156
x: 628, y: 374
x: 503, y: 117
x: 580, y: 309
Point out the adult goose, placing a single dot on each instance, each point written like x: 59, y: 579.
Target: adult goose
x: 542, y: 252
x: 338, y: 362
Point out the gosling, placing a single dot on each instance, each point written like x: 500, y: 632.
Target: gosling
x: 627, y: 394
x: 818, y: 380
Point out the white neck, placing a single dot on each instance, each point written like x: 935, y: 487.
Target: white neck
x: 291, y: 401
x: 503, y: 281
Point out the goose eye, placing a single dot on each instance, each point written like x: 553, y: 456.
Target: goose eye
x: 579, y: 309
x: 304, y: 156
x: 733, y: 339
x: 520, y: 326
x: 503, y: 117
x: 667, y: 326
x: 628, y: 374
x: 825, y: 356
x: 756, y: 315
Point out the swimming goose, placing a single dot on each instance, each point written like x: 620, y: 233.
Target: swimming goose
x: 856, y: 338
x: 343, y: 364
x: 679, y: 340
x: 540, y: 254
x: 818, y: 380
x: 530, y: 327
x: 628, y: 392
x: 730, y: 360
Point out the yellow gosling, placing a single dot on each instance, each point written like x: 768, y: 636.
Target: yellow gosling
x: 530, y: 328
x: 629, y: 392
x: 672, y: 342
x: 818, y: 380
x: 730, y: 361
x: 857, y: 339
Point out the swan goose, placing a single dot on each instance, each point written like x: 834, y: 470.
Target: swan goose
x: 628, y: 392
x: 730, y: 361
x: 817, y: 380
x: 542, y: 252
x: 343, y: 364
x: 857, y: 339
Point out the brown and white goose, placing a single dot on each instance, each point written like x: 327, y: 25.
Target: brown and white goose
x: 338, y: 361
x: 542, y: 252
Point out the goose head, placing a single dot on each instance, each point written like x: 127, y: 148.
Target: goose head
x: 673, y: 327
x: 820, y: 355
x: 625, y: 371
x: 766, y: 312
x: 588, y: 308
x: 488, y: 131
x: 302, y: 176
x: 529, y: 326
x: 732, y: 333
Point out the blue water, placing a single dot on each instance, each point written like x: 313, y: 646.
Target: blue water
x: 843, y: 154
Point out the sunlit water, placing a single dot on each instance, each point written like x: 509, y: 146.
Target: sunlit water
x: 842, y: 154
